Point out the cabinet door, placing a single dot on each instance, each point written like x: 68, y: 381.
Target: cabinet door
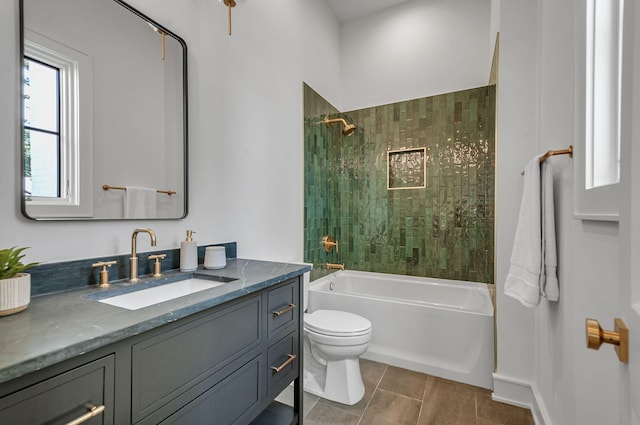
x: 64, y: 397
x: 229, y: 402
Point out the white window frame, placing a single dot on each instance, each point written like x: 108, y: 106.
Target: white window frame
x: 76, y: 134
x: 598, y: 97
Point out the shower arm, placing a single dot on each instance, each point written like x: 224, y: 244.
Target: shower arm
x: 328, y: 121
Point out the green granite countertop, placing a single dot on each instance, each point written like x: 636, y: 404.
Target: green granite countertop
x: 59, y: 326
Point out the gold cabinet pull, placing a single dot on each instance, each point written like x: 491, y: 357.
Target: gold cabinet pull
x: 290, y: 358
x: 284, y: 310
x: 619, y: 337
x: 93, y: 411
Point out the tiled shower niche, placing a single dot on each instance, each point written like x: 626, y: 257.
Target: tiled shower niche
x: 444, y: 230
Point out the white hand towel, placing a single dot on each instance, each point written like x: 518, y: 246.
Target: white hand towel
x: 139, y: 202
x: 523, y: 279
x: 548, y: 277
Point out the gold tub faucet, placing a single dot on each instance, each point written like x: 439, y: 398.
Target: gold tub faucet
x: 335, y: 266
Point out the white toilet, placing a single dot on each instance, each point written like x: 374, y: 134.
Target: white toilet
x: 333, y: 342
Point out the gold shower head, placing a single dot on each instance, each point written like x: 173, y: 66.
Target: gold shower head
x: 347, y: 130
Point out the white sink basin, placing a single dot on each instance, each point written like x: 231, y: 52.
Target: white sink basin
x: 146, y: 297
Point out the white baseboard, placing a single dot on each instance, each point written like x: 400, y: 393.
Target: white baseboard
x: 512, y: 391
x: 522, y: 394
x: 539, y: 410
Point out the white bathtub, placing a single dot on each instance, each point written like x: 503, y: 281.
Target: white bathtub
x: 440, y: 327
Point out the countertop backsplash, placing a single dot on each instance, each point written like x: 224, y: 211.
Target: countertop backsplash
x: 48, y: 278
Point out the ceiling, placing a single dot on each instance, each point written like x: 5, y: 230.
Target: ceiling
x: 348, y: 10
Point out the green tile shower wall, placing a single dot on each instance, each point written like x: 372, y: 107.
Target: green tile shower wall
x: 445, y: 230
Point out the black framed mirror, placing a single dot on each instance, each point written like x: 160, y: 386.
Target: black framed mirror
x: 104, y: 113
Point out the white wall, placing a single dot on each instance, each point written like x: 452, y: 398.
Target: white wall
x: 494, y: 24
x: 516, y: 144
x: 245, y: 105
x: 553, y: 371
x: 416, y: 49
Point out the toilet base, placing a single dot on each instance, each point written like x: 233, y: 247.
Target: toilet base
x: 338, y: 381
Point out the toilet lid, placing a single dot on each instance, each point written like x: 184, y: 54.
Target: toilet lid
x: 337, y: 323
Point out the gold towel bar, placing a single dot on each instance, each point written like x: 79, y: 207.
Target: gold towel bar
x: 107, y: 187
x: 550, y: 153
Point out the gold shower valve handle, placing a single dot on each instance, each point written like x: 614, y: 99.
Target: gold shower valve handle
x: 619, y: 337
x: 328, y: 242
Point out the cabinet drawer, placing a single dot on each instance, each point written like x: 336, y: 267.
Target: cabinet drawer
x: 282, y: 363
x: 65, y: 397
x: 229, y: 402
x: 172, y: 362
x: 282, y: 307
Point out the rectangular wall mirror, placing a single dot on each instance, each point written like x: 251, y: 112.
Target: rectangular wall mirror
x: 104, y: 113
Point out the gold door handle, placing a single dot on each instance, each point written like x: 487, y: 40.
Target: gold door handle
x: 284, y: 310
x: 290, y: 358
x: 93, y: 411
x: 619, y: 337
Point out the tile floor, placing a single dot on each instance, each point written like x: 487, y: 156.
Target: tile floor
x: 395, y: 396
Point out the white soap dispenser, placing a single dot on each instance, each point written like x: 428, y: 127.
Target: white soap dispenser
x: 188, y: 253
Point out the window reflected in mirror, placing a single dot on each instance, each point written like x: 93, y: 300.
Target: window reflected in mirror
x: 41, y: 94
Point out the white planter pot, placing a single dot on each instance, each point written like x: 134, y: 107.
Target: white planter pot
x: 15, y: 294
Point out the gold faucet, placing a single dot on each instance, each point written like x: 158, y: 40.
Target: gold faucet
x: 133, y: 261
x: 335, y: 266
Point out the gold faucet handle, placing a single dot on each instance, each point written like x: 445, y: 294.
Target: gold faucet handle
x: 328, y: 242
x: 157, y: 272
x: 104, y: 273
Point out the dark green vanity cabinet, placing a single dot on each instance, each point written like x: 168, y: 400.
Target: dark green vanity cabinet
x: 224, y: 365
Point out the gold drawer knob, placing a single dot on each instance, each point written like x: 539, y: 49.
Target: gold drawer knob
x: 619, y: 337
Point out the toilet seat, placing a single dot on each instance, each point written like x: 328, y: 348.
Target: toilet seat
x: 337, y: 323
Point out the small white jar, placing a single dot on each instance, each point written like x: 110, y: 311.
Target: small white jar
x: 215, y: 257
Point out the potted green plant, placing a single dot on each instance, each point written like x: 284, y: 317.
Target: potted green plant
x: 15, y: 285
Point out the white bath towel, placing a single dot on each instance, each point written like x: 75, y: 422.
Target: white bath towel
x: 523, y: 279
x: 532, y: 271
x: 139, y: 202
x: 548, y: 276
